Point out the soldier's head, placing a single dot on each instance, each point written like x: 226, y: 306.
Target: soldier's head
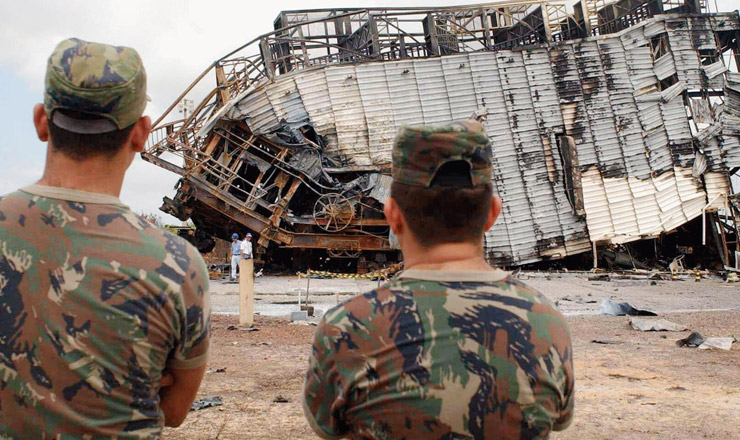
x: 94, y: 98
x: 441, y: 190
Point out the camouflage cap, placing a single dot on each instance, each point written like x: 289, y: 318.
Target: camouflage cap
x: 95, y: 79
x: 420, y: 151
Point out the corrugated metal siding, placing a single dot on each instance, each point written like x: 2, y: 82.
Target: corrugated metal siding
x: 502, y: 239
x: 547, y: 112
x: 684, y: 52
x: 286, y: 102
x: 381, y: 124
x: 633, y: 140
x: 435, y: 103
x: 458, y: 80
x: 488, y: 77
x: 730, y: 119
x: 405, y: 101
x: 315, y: 93
x: 349, y: 114
x: 678, y: 131
x: 623, y: 104
x: 257, y: 111
x: 717, y: 187
x: 530, y: 153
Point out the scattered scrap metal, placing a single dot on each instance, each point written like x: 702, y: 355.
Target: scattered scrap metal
x: 610, y: 121
x: 609, y: 307
x: 206, y: 402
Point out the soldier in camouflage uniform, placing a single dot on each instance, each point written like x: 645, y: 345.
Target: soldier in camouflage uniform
x: 98, y: 307
x: 450, y: 348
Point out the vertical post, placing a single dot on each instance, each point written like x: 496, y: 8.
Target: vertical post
x: 544, y: 9
x: 308, y: 284
x: 267, y: 59
x: 596, y: 255
x: 246, y: 292
x: 486, y: 26
x: 586, y: 17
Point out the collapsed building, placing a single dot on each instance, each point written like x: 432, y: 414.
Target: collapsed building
x: 610, y: 122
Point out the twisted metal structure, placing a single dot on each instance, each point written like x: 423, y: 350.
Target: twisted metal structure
x: 611, y: 121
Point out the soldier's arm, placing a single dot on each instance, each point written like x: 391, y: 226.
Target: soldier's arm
x: 176, y: 399
x: 190, y: 356
x: 567, y: 403
x: 323, y: 399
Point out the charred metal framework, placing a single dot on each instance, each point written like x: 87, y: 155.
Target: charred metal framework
x: 610, y: 122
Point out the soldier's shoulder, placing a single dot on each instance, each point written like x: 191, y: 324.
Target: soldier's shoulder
x: 14, y: 198
x: 173, y: 240
x: 357, y: 303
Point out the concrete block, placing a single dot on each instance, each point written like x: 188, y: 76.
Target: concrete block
x: 298, y: 316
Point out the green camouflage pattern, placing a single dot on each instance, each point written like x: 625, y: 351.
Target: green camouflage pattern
x: 420, y: 359
x: 419, y: 151
x: 96, y: 301
x: 99, y: 79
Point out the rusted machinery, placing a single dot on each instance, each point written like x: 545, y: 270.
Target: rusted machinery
x: 610, y: 121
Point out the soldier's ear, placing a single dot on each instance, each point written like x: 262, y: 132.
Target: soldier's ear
x: 41, y: 122
x: 394, y: 216
x: 493, y: 213
x: 140, y: 133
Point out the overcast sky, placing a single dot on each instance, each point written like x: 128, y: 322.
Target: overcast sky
x: 177, y: 40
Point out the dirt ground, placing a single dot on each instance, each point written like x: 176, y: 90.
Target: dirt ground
x: 638, y: 386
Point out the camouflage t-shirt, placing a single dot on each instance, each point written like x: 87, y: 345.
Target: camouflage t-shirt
x: 441, y: 355
x: 95, y: 302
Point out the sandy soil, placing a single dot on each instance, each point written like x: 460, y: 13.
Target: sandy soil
x: 575, y: 293
x: 640, y: 386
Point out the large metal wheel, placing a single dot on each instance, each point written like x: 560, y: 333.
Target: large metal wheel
x: 344, y: 253
x: 333, y: 212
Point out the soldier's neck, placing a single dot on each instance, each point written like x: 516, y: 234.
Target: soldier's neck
x: 447, y: 256
x: 99, y: 175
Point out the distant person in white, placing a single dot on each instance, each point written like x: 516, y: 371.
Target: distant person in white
x: 247, y: 246
x: 236, y: 250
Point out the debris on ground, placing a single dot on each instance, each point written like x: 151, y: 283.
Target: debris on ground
x: 609, y: 307
x: 605, y: 342
x: 280, y: 399
x: 695, y: 339
x: 244, y: 329
x: 655, y: 325
x: 576, y: 299
x: 206, y: 402
x: 718, y: 343
x: 308, y: 323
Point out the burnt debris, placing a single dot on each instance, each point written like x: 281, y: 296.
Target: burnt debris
x: 611, y: 123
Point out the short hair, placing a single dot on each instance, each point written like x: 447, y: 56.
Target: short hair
x: 81, y: 147
x: 444, y: 213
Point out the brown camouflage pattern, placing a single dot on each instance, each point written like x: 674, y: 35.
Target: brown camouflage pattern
x: 98, y: 79
x: 419, y: 151
x: 96, y: 301
x: 420, y: 359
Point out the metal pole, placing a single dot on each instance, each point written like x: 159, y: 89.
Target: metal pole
x: 704, y: 220
x: 308, y: 283
x: 596, y: 255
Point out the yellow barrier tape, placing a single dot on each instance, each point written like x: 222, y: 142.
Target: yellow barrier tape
x: 384, y: 274
x: 370, y: 275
